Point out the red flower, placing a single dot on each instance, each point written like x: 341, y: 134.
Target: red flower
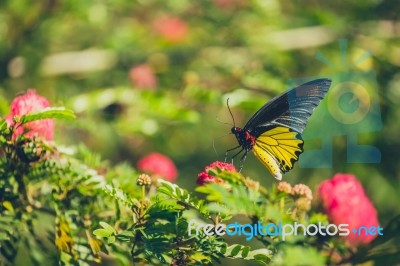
x: 31, y: 102
x: 345, y: 202
x: 142, y: 76
x: 158, y: 164
x: 205, y: 177
x: 173, y: 29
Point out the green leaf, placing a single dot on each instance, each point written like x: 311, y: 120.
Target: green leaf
x: 111, y: 240
x: 108, y: 227
x: 3, y: 125
x: 261, y: 253
x: 101, y: 233
x: 166, y: 188
x: 106, y: 231
x: 8, y: 205
x: 261, y: 257
x: 263, y: 260
x: 318, y: 217
x: 245, y: 251
x: 198, y: 256
x: 118, y: 195
x: 235, y: 250
x: 182, y: 196
x: 48, y: 113
x: 223, y: 248
x: 178, y: 193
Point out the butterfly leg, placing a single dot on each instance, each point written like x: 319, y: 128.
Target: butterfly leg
x: 236, y: 155
x: 227, y: 151
x: 242, y: 160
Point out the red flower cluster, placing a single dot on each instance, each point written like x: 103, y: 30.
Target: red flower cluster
x: 158, y: 164
x: 205, y: 177
x: 345, y: 202
x: 173, y: 29
x: 142, y: 76
x: 31, y: 102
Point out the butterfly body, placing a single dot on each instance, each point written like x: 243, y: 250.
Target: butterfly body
x: 244, y: 137
x: 273, y: 133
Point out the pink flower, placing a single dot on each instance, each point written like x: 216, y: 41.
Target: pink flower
x: 345, y: 202
x: 31, y: 102
x: 173, y: 29
x: 142, y: 76
x: 205, y: 177
x: 158, y: 164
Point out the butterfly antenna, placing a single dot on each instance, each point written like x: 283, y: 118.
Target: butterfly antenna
x: 213, y: 142
x: 215, y: 150
x: 233, y: 119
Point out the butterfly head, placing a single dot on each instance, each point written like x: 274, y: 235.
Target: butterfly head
x: 236, y: 130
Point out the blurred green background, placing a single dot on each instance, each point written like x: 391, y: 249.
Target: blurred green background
x: 153, y: 76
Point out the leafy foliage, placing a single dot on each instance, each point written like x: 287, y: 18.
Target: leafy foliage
x: 50, y: 112
x: 87, y: 214
x: 66, y: 205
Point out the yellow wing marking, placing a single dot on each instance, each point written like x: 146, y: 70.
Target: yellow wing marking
x: 278, y: 145
x: 269, y: 161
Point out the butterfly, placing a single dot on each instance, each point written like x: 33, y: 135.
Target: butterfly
x: 273, y: 133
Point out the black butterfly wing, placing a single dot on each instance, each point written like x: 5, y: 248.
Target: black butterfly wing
x: 278, y: 125
x: 290, y: 109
